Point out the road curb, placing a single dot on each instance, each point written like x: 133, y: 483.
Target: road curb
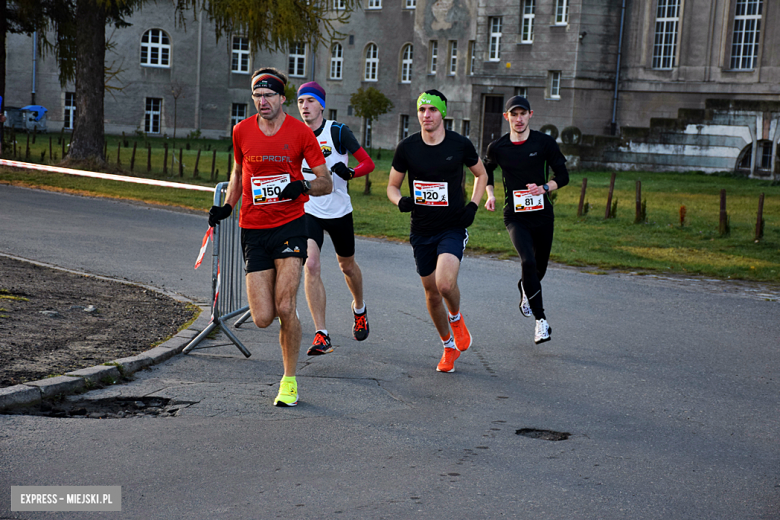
x: 79, y: 380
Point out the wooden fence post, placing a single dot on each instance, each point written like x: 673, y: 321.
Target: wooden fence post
x: 132, y: 157
x: 181, y: 164
x: 760, y: 219
x: 723, y: 225
x: 149, y: 158
x: 119, y: 153
x: 197, y: 160
x: 609, y: 196
x: 51, y: 156
x: 582, y: 196
x: 165, y: 160
x: 638, y: 217
x: 213, y: 163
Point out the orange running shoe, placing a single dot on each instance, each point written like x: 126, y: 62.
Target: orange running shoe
x: 461, y: 334
x: 447, y: 363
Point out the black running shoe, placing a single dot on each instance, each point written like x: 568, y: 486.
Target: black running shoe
x: 360, y: 328
x: 321, y: 345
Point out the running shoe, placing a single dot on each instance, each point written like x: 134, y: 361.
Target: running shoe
x: 447, y: 363
x: 461, y: 334
x: 525, y: 307
x: 360, y: 328
x: 542, y: 332
x: 288, y: 394
x: 321, y: 345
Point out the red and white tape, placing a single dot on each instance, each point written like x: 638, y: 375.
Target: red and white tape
x: 107, y: 176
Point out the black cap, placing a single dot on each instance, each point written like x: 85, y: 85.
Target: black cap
x: 517, y: 101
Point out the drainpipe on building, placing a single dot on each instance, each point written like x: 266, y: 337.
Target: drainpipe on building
x: 34, y: 64
x: 197, y: 75
x: 613, y: 125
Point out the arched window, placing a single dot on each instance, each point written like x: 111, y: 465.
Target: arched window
x: 336, y: 60
x: 156, y: 49
x: 372, y: 63
x: 763, y: 157
x: 406, y: 63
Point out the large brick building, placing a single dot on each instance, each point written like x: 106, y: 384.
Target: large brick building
x: 564, y: 55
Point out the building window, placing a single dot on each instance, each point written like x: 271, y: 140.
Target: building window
x: 448, y: 124
x: 372, y: 62
x: 155, y: 49
x: 555, y: 85
x: 336, y: 61
x: 466, y: 128
x: 433, y: 45
x: 333, y: 114
x: 453, y: 53
x: 521, y: 91
x: 375, y: 4
x: 404, y: 129
x: 529, y: 12
x: 561, y: 12
x: 406, y: 64
x: 153, y: 115
x: 339, y: 5
x: 411, y: 4
x: 472, y: 57
x: 240, y: 61
x: 237, y: 114
x: 296, y: 64
x: 667, y: 19
x: 495, y: 39
x: 766, y: 156
x: 70, y: 110
x: 367, y: 135
x: 747, y: 31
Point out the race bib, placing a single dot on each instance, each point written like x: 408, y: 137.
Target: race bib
x: 524, y: 201
x: 430, y: 193
x: 266, y: 190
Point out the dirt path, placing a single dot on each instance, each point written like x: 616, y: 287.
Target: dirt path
x: 53, y: 321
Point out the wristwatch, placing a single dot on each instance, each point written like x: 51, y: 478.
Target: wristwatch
x: 546, y: 188
x: 306, y: 186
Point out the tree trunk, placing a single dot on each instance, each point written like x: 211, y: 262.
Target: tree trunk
x: 88, y: 132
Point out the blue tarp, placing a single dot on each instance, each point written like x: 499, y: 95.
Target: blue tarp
x: 36, y: 108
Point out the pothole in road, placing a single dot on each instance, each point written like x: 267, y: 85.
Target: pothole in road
x: 545, y: 435
x: 109, y: 408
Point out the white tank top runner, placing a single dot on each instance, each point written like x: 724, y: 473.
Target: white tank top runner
x: 337, y: 203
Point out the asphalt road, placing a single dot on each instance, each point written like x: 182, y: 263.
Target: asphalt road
x: 670, y: 391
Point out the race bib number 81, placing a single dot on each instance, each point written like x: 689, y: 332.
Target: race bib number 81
x: 266, y: 190
x: 430, y: 193
x: 524, y: 201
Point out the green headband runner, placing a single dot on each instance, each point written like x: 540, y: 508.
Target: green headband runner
x: 432, y: 99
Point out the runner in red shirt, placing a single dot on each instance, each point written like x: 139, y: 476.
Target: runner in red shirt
x: 269, y: 149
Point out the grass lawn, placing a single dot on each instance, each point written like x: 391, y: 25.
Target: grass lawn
x: 659, y: 245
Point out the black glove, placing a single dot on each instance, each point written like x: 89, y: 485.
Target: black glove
x: 292, y: 191
x: 406, y: 204
x: 217, y: 213
x: 467, y: 214
x: 343, y: 171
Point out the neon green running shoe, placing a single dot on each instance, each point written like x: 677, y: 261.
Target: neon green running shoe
x: 288, y: 394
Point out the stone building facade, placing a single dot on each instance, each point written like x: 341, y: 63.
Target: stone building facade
x: 588, y: 67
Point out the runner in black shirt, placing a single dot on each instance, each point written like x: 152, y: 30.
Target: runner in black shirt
x: 434, y: 159
x: 523, y: 155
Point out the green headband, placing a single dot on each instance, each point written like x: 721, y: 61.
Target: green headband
x: 432, y: 99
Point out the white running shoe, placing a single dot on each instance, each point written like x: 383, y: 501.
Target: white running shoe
x: 542, y: 332
x: 525, y: 307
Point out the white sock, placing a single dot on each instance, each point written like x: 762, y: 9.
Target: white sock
x: 324, y: 331
x: 360, y: 310
x: 454, y: 317
x: 450, y: 343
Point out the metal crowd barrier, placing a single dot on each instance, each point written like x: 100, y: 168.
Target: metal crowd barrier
x: 227, y: 276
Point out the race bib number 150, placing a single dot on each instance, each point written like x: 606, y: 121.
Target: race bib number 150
x: 524, y: 201
x: 430, y: 193
x: 266, y: 190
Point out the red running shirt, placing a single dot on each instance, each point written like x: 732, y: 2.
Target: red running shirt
x: 264, y: 161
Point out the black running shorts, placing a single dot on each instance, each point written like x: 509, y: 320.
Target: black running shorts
x: 428, y: 249
x: 341, y: 231
x: 262, y: 246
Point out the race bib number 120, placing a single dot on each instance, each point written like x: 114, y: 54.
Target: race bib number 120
x: 266, y: 190
x: 430, y: 193
x: 524, y: 201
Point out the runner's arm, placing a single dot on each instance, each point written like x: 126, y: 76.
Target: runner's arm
x: 480, y: 181
x: 365, y: 164
x: 394, y: 182
x: 490, y: 167
x: 323, y: 184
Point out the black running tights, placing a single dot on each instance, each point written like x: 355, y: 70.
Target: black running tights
x: 533, y: 244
